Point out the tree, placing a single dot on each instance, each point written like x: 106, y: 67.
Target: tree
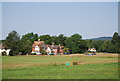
x: 118, y: 44
x: 66, y: 50
x: 105, y: 45
x: 97, y: 45
x: 115, y: 43
x: 89, y: 43
x: 82, y: 46
x: 25, y: 46
x: 46, y: 38
x: 42, y: 50
x: 75, y: 44
x: 54, y: 39
x: 26, y: 42
x: 30, y: 36
x: 12, y: 42
x: 61, y: 39
x: 115, y: 38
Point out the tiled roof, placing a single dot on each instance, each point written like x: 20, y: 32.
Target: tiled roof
x: 41, y: 43
x: 38, y: 43
x: 54, y: 46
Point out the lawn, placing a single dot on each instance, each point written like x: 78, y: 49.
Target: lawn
x: 100, y: 66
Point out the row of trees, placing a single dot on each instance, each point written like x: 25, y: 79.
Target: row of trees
x: 75, y: 43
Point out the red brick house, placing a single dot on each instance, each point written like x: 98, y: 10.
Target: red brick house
x: 55, y: 49
x: 36, y: 46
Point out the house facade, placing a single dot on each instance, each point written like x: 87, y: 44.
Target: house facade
x: 56, y: 49
x: 92, y: 49
x: 49, y: 49
x: 36, y: 46
x: 4, y: 50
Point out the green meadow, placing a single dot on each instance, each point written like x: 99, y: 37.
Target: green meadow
x: 100, y: 66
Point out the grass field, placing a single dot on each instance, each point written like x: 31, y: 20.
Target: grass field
x: 100, y: 66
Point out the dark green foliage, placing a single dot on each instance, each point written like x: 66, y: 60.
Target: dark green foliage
x: 115, y: 38
x: 52, y: 54
x: 25, y: 46
x: 66, y: 50
x: 61, y: 39
x: 13, y: 53
x: 57, y: 40
x: 4, y: 53
x: 12, y: 42
x: 31, y: 37
x: 46, y: 38
x: 112, y: 46
x: 32, y: 53
x: 42, y: 51
x: 98, y: 44
x: 54, y: 39
x: 75, y: 43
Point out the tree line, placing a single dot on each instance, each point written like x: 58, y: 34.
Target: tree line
x: 75, y: 43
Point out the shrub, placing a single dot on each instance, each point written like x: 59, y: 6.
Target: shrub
x: 4, y: 53
x: 32, y: 53
x: 13, y: 53
x: 52, y: 54
x: 43, y: 52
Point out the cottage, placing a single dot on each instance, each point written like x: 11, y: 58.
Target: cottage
x: 36, y: 46
x: 56, y: 49
x: 4, y: 50
x: 92, y: 49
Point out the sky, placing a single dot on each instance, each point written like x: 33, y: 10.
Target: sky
x: 89, y: 19
x: 0, y: 20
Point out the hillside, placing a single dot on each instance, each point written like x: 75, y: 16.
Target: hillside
x: 102, y: 38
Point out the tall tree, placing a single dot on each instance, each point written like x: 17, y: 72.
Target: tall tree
x: 46, y: 38
x: 116, y: 43
x: 25, y: 46
x: 97, y: 44
x: 115, y: 38
x: 26, y: 42
x: 75, y: 44
x: 54, y: 39
x: 61, y: 39
x: 106, y: 45
x: 12, y: 42
x: 30, y: 36
x: 89, y: 43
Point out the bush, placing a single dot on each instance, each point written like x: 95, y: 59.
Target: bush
x: 13, y: 53
x: 32, y: 53
x: 4, y: 53
x: 52, y: 54
x: 43, y: 52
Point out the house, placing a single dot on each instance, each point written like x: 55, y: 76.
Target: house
x: 92, y: 49
x: 36, y: 46
x: 4, y: 50
x: 55, y: 49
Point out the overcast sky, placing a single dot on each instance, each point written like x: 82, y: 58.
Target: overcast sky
x: 89, y: 19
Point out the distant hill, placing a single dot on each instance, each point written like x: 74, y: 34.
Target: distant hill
x: 101, y: 38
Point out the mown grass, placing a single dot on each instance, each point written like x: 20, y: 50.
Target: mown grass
x: 53, y: 67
